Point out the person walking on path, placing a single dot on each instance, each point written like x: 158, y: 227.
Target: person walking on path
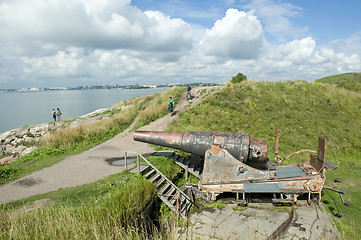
x: 188, y: 96
x: 58, y: 114
x: 171, y: 105
x: 54, y: 115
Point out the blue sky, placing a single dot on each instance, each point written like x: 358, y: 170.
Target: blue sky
x: 47, y: 43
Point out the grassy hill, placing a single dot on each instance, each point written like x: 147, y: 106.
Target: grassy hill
x: 303, y: 111
x: 350, y: 81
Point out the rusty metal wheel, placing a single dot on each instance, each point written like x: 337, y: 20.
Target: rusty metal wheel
x: 314, y: 186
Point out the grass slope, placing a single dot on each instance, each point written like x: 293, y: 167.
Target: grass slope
x: 107, y: 209
x: 350, y: 81
x: 303, y: 111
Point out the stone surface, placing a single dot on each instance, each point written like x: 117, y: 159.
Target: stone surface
x: 258, y: 222
x: 27, y: 150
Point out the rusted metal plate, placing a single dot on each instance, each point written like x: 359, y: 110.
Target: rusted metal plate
x: 224, y: 168
x: 266, y: 187
x: 321, y: 149
x: 316, y: 162
x: 288, y: 172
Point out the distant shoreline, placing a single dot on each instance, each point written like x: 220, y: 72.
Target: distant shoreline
x: 99, y: 87
x: 81, y: 88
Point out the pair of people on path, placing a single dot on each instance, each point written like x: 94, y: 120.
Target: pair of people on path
x: 57, y: 114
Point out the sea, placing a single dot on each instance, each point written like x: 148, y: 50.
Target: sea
x: 19, y: 109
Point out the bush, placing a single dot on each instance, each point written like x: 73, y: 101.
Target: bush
x: 6, y: 172
x: 240, y: 77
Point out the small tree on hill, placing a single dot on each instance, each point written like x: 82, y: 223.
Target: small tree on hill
x: 240, y: 77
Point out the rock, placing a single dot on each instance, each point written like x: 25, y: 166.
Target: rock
x: 28, y: 139
x: 7, y: 160
x: 337, y: 180
x: 2, y: 150
x: 27, y: 150
x: 19, y: 149
x: 9, y: 149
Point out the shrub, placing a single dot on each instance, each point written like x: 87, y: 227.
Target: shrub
x: 239, y: 78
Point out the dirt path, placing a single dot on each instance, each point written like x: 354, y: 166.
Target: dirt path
x: 90, y: 165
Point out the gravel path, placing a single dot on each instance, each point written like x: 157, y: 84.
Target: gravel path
x: 90, y: 165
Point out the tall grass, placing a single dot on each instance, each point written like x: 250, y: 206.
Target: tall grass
x: 112, y: 212
x: 91, y: 131
x: 157, y: 106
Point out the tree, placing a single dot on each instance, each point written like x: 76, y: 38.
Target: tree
x: 239, y: 78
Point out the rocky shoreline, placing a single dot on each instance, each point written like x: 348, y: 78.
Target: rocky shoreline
x: 21, y: 141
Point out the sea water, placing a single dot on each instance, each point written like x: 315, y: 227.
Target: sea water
x: 19, y: 109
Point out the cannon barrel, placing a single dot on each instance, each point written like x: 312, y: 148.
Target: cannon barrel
x: 241, y: 146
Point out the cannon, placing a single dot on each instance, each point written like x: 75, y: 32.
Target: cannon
x: 238, y: 164
x: 241, y: 146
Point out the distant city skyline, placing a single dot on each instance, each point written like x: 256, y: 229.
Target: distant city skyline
x: 80, y: 42
x: 105, y: 86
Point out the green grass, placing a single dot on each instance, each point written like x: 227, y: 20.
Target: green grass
x: 350, y: 81
x: 303, y: 111
x: 107, y: 209
x: 156, y: 107
x: 215, y: 204
x: 166, y: 166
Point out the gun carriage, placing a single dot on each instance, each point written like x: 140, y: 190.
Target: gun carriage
x: 239, y: 164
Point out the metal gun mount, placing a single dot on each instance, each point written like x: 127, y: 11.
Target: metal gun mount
x: 237, y: 163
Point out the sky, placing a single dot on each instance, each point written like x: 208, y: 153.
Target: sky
x: 69, y: 43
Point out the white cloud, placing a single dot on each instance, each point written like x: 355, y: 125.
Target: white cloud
x: 83, y: 42
x: 63, y: 64
x: 350, y: 45
x: 298, y: 51
x: 45, y: 26
x: 238, y: 35
x: 276, y: 15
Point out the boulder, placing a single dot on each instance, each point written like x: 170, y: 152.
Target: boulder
x: 28, y: 139
x: 27, y: 150
x: 7, y: 160
x: 19, y: 149
x: 9, y: 149
x: 2, y: 150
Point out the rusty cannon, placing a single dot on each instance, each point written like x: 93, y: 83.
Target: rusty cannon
x: 241, y: 146
x: 239, y: 164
